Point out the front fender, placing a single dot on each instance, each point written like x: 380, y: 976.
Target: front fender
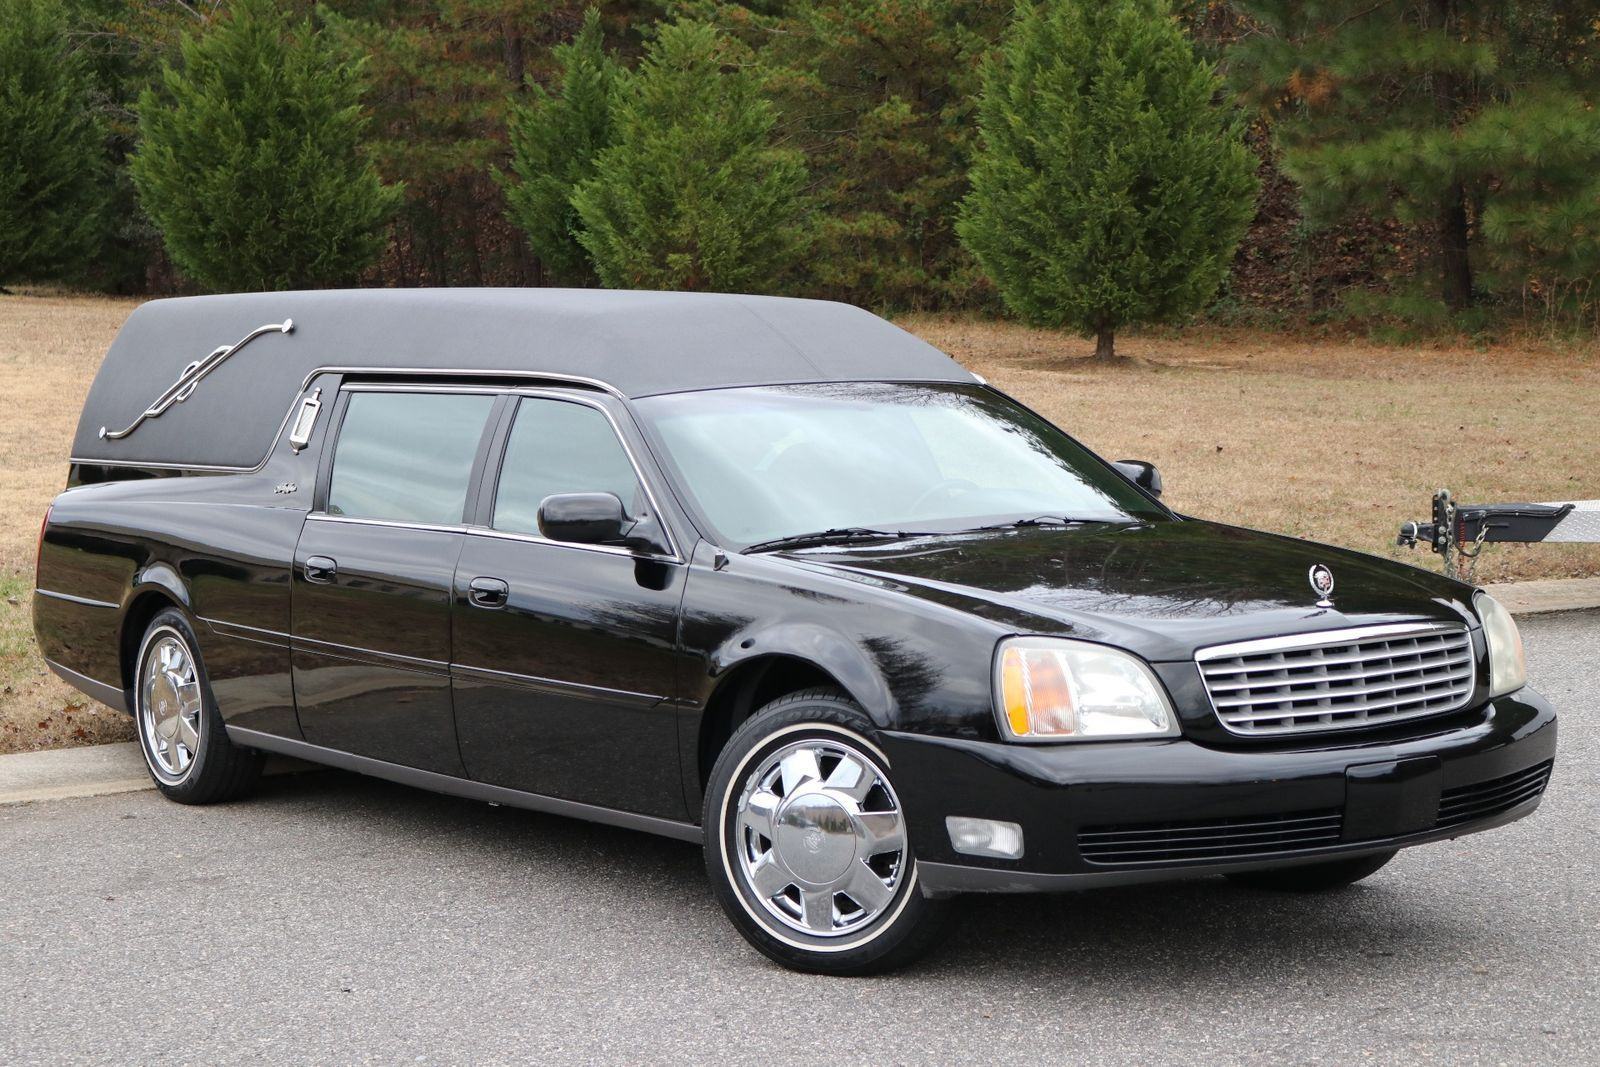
x: 818, y: 645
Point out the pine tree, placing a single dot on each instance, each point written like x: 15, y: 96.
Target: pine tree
x: 123, y: 43
x: 881, y: 98
x: 1469, y: 118
x: 1111, y: 189
x: 52, y: 174
x: 250, y: 162
x: 694, y: 194
x: 555, y: 139
x: 442, y: 75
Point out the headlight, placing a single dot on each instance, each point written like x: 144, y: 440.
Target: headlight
x: 1049, y: 689
x: 1508, y: 671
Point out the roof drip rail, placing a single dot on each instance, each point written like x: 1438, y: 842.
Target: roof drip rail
x: 183, y: 388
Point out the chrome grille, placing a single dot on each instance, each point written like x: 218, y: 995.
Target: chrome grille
x: 1339, y: 679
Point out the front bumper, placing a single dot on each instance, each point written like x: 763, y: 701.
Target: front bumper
x: 1109, y: 813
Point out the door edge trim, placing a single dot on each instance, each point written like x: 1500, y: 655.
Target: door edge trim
x: 462, y: 787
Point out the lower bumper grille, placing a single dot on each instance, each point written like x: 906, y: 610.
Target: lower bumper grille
x: 1483, y: 800
x: 1169, y: 844
x: 1211, y: 840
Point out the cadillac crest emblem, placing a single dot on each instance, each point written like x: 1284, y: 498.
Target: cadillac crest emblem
x: 1322, y: 585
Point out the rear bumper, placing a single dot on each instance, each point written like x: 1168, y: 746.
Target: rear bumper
x: 1115, y: 813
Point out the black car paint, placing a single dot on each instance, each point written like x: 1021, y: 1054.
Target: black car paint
x: 594, y: 682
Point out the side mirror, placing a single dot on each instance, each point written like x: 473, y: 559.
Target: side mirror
x: 1142, y: 474
x: 584, y: 518
x: 596, y: 519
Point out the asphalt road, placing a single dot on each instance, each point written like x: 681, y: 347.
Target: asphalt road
x: 336, y: 919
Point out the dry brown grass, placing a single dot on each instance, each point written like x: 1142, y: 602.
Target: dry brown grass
x: 1339, y: 441
x: 50, y: 347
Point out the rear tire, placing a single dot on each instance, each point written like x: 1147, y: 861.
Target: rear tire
x: 1314, y: 877
x: 185, y: 745
x: 805, y: 842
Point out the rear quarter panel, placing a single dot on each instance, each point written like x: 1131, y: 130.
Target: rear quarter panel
x: 220, y: 545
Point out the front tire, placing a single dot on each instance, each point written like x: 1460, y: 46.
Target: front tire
x: 1314, y: 877
x: 180, y: 730
x: 806, y: 846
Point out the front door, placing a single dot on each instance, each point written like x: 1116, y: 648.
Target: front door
x: 564, y: 654
x: 372, y: 575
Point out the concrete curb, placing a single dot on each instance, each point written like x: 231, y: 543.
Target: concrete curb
x: 90, y: 771
x: 99, y: 770
x: 1553, y: 594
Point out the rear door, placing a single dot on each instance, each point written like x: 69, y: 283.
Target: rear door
x: 565, y: 654
x: 373, y: 569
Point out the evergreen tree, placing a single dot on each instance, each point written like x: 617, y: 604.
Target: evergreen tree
x: 123, y: 43
x: 881, y: 99
x: 1469, y: 117
x: 441, y: 74
x: 250, y: 160
x: 1111, y: 189
x: 52, y: 177
x: 694, y: 194
x: 555, y: 139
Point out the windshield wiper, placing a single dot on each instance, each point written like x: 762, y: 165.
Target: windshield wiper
x: 837, y: 536
x: 1025, y: 524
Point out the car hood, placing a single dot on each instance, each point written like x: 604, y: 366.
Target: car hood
x: 1160, y: 589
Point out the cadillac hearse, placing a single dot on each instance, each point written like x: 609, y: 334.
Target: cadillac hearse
x: 772, y: 576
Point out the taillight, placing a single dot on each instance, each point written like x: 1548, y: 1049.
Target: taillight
x: 38, y: 550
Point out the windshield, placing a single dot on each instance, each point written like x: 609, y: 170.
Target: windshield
x: 770, y: 462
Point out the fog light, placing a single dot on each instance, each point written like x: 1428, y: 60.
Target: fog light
x: 984, y: 837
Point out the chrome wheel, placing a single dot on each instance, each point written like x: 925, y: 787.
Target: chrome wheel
x: 170, y: 705
x: 820, y: 838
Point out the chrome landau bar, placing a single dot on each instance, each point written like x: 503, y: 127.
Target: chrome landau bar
x: 183, y: 388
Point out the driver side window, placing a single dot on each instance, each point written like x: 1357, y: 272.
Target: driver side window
x: 559, y: 446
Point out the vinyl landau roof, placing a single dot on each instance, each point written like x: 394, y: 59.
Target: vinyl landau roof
x: 638, y: 343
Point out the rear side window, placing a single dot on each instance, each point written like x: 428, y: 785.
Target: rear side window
x: 557, y: 446
x: 407, y: 457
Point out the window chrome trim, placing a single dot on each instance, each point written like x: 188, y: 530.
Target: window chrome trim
x: 328, y: 460
x: 790, y: 382
x: 420, y: 372
x: 1317, y: 638
x: 485, y: 531
x: 535, y: 539
x: 361, y: 520
x: 675, y: 554
x: 409, y: 387
x: 424, y: 372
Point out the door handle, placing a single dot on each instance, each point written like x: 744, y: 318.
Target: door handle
x: 320, y: 569
x: 488, y: 592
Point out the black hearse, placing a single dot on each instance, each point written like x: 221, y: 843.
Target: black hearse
x: 771, y: 574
